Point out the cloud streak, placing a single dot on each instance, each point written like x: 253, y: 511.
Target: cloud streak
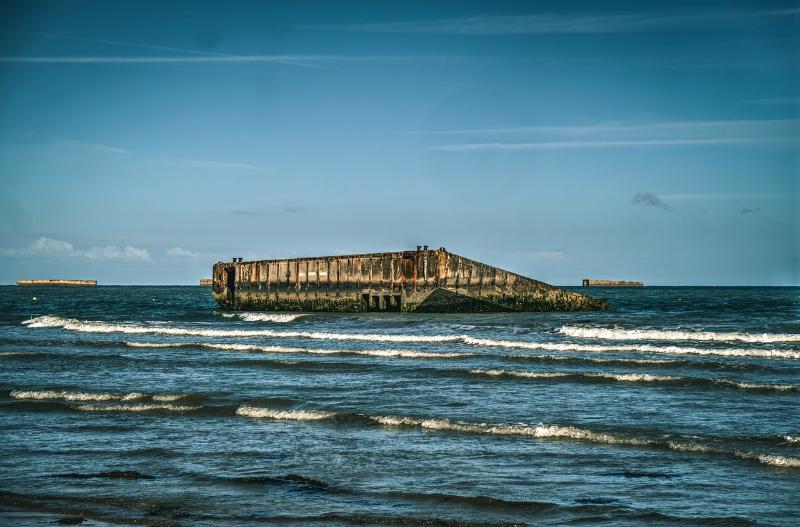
x: 298, y: 60
x: 547, y: 23
x: 620, y: 135
x: 560, y: 145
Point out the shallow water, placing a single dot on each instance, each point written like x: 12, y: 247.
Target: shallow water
x: 149, y: 405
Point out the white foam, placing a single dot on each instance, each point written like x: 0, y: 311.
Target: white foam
x: 769, y: 459
x: 543, y: 431
x: 170, y: 396
x: 409, y: 354
x: 104, y: 327
x: 135, y: 408
x: 91, y: 396
x: 73, y: 396
x: 557, y: 358
x: 634, y: 377
x: 639, y: 348
x: 282, y: 415
x: 264, y: 317
x: 655, y: 334
x: 756, y: 386
x: 622, y: 377
x: 792, y: 439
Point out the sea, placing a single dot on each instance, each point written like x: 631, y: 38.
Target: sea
x: 152, y: 406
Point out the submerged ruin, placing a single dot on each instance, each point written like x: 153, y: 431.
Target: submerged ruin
x: 432, y: 281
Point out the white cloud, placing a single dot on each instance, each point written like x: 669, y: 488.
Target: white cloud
x: 50, y: 246
x: 45, y: 246
x: 112, y: 252
x: 179, y: 252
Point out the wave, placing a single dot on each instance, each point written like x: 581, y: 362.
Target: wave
x: 283, y: 415
x: 408, y: 354
x: 93, y: 396
x: 639, y: 348
x: 655, y: 334
x: 622, y: 377
x: 539, y: 431
x: 636, y: 377
x: 264, y: 317
x: 136, y: 408
x: 104, y: 327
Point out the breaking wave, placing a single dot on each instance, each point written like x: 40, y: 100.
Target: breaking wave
x: 540, y: 431
x: 70, y: 396
x: 636, y: 377
x: 104, y: 327
x: 654, y: 334
x: 622, y: 377
x: 641, y: 348
x: 264, y: 317
x: 283, y: 415
x: 407, y: 354
x: 135, y: 408
x: 75, y: 396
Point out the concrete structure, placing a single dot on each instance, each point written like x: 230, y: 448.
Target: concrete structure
x: 610, y: 283
x: 422, y: 280
x: 207, y: 281
x: 57, y: 282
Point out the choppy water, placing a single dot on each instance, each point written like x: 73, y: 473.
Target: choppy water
x: 679, y: 406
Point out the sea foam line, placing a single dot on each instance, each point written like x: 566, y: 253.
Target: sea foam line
x: 102, y: 327
x: 66, y: 395
x: 135, y: 407
x: 539, y: 431
x: 638, y: 348
x: 249, y: 316
x: 634, y: 378
x: 283, y: 415
x: 656, y: 334
x: 390, y: 353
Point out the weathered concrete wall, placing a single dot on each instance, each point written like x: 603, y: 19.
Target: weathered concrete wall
x: 422, y: 280
x: 611, y: 283
x: 57, y: 282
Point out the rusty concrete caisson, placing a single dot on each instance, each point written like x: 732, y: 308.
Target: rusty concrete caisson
x: 433, y: 281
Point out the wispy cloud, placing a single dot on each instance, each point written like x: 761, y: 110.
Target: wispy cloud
x: 45, y: 246
x: 649, y: 199
x: 559, y: 145
x: 245, y: 213
x: 620, y: 135
x: 547, y: 23
x: 746, y: 210
x: 298, y: 60
x: 97, y: 147
x: 725, y: 127
x: 180, y: 252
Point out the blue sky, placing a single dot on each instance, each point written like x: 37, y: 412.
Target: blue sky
x: 140, y: 142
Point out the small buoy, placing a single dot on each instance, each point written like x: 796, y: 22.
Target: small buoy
x: 34, y: 299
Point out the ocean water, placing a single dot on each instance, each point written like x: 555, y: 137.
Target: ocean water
x: 149, y: 405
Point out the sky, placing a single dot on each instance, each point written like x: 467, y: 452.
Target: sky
x: 140, y: 142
